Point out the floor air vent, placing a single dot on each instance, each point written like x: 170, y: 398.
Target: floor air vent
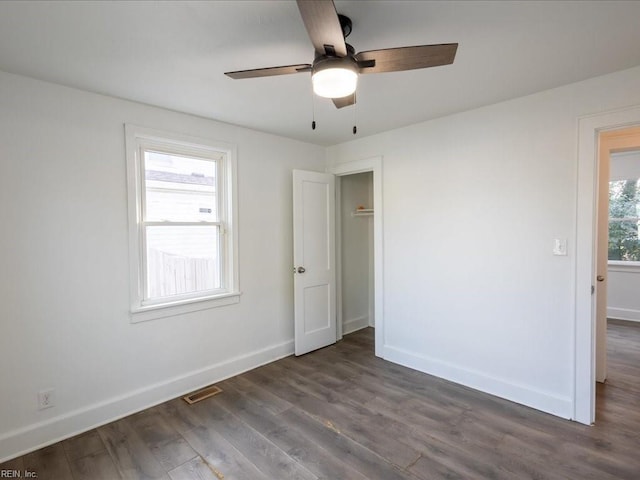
x: 201, y: 394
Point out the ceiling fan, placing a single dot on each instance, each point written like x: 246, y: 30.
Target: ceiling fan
x: 336, y: 66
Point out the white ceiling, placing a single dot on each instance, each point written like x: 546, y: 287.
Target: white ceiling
x: 173, y: 55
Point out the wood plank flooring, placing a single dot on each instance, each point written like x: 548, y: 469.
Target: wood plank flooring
x: 341, y: 413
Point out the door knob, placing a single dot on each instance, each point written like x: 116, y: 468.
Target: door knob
x: 301, y: 270
x: 600, y: 278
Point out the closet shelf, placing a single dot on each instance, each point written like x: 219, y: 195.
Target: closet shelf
x: 362, y: 212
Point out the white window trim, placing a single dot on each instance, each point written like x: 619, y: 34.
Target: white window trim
x: 623, y: 266
x: 135, y: 136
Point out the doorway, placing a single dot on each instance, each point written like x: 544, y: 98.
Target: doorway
x: 371, y: 217
x: 355, y: 238
x: 586, y: 266
x: 616, y: 154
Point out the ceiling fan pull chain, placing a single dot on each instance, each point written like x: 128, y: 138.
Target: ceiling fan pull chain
x: 355, y: 117
x: 313, y: 110
x: 313, y: 113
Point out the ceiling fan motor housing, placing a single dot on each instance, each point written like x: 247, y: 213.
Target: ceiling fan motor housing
x: 322, y: 62
x: 334, y: 62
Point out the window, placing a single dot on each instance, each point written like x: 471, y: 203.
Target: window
x: 624, y: 220
x: 181, y: 221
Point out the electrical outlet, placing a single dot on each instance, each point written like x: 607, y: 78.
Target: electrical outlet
x: 46, y: 399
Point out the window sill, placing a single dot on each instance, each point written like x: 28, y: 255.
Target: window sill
x: 152, y: 312
x: 627, y: 267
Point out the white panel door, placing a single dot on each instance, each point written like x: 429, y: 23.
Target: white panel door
x: 314, y: 260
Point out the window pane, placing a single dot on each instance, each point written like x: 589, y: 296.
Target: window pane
x: 624, y: 241
x: 180, y: 189
x: 182, y: 260
x: 624, y: 210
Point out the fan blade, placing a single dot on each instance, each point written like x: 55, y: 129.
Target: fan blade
x: 345, y: 101
x: 408, y: 58
x: 269, y: 72
x: 323, y: 26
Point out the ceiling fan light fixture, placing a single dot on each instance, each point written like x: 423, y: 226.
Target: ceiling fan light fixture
x: 334, y: 82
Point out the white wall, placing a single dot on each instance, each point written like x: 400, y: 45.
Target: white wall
x: 64, y: 292
x: 472, y: 293
x: 472, y: 204
x: 356, y: 251
x: 623, y: 287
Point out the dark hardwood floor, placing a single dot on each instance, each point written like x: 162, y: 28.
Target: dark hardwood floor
x: 342, y: 414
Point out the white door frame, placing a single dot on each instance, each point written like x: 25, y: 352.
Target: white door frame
x: 374, y: 165
x: 585, y: 263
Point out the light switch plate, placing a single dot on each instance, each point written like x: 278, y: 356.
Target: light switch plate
x: 560, y: 246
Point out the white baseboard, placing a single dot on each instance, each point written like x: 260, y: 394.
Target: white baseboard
x: 32, y: 437
x: 523, y: 394
x: 623, y: 314
x: 350, y: 326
